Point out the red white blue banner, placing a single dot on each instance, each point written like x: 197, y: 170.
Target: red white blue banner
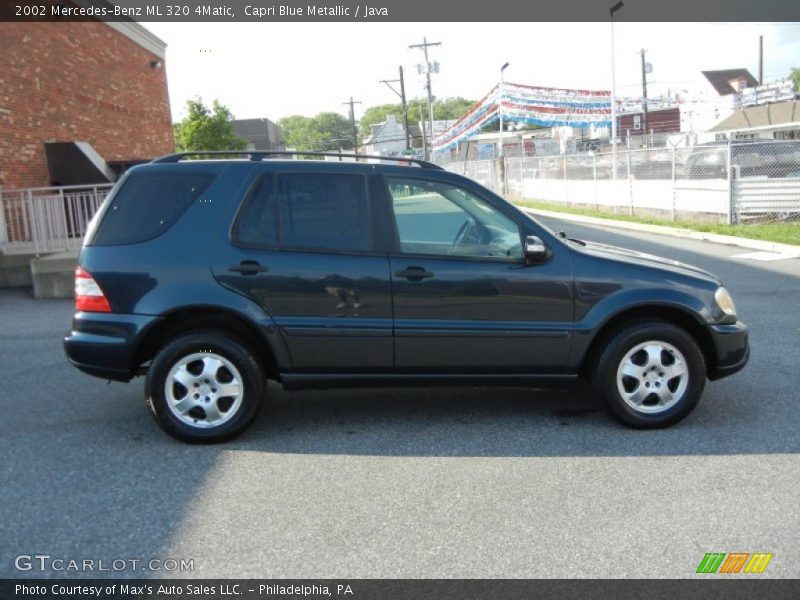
x: 549, y: 107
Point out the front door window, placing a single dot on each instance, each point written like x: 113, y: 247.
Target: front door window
x: 440, y: 219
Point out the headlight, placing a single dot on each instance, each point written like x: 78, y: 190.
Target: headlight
x: 725, y: 302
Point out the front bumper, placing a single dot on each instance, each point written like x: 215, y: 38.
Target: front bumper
x: 732, y: 346
x: 105, y: 344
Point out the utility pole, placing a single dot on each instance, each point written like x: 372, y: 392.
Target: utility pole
x: 428, y: 68
x: 500, y: 105
x: 422, y: 129
x: 761, y: 60
x: 405, y: 108
x: 402, y: 94
x: 353, y: 122
x: 611, y: 12
x: 501, y: 154
x: 644, y: 96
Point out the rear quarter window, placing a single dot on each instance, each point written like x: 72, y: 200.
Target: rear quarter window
x: 147, y: 204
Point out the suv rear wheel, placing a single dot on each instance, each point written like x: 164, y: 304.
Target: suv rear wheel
x: 204, y: 387
x: 651, y: 374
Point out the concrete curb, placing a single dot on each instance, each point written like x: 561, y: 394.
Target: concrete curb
x: 727, y: 240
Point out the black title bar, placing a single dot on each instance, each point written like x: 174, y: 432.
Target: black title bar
x: 709, y: 588
x: 367, y: 11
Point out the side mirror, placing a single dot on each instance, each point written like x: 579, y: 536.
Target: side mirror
x: 535, y: 248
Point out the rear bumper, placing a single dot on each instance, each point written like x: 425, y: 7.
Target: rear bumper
x: 104, y: 344
x: 732, y: 348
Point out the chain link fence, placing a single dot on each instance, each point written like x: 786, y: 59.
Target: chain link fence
x: 737, y: 182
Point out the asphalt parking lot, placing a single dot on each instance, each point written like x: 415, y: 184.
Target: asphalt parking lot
x: 436, y: 482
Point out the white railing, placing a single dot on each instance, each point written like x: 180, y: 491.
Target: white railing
x: 47, y: 219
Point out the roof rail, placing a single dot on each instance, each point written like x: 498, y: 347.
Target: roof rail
x: 257, y: 155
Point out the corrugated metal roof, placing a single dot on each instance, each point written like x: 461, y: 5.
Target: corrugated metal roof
x: 781, y: 115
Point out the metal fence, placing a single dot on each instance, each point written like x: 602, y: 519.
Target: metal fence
x: 737, y: 182
x: 51, y: 219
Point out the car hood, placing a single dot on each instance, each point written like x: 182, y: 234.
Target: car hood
x: 647, y: 260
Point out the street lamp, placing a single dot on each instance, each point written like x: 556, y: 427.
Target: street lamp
x: 500, y: 106
x: 611, y: 12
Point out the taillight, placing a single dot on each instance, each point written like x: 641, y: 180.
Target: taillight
x: 88, y: 295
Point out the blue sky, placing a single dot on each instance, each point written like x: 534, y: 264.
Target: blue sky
x: 274, y: 70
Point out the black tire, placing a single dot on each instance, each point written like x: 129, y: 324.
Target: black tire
x: 217, y: 345
x: 605, y: 382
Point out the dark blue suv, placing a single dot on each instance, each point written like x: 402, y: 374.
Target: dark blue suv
x: 212, y: 276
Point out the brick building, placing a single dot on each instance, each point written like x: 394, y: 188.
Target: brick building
x: 79, y: 101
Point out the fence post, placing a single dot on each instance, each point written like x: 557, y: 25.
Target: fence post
x: 630, y: 180
x: 672, y: 210
x: 33, y: 218
x: 501, y: 163
x: 731, y: 195
x: 63, y: 208
x: 538, y: 175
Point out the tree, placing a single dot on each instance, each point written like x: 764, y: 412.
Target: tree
x: 794, y: 75
x: 327, y: 131
x: 378, y: 114
x: 449, y: 109
x: 207, y: 129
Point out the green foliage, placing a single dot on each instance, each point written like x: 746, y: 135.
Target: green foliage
x: 449, y: 108
x: 794, y: 75
x: 331, y: 131
x: 378, y: 114
x: 207, y: 129
x: 326, y: 131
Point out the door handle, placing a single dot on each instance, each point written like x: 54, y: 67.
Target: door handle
x: 248, y: 267
x: 414, y: 273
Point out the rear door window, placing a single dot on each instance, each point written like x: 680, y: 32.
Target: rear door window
x: 307, y: 211
x: 148, y: 204
x: 324, y: 211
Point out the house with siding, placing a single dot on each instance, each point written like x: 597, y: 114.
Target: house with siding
x: 386, y: 139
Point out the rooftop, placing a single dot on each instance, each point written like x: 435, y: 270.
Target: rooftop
x: 780, y: 115
x: 721, y: 80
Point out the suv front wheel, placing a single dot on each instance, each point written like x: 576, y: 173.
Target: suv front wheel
x: 651, y: 374
x: 204, y: 387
